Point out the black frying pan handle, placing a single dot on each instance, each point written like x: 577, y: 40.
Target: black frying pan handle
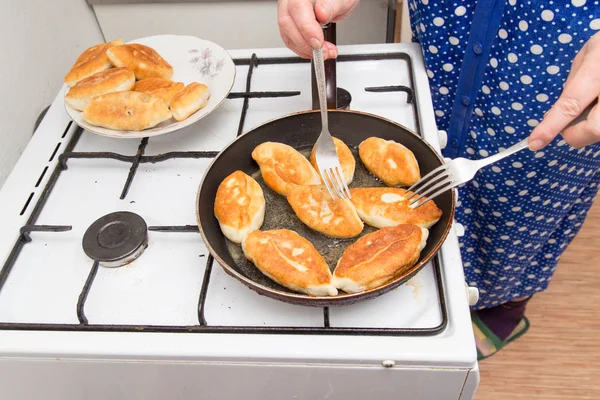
x: 329, y: 33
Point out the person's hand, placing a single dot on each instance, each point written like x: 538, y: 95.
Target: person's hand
x: 300, y: 23
x: 581, y: 88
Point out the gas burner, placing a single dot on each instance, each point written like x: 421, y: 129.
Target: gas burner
x: 343, y: 99
x: 116, y: 239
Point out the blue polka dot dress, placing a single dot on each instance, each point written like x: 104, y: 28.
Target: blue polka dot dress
x: 495, y: 68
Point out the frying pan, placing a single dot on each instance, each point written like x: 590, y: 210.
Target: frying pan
x: 300, y: 131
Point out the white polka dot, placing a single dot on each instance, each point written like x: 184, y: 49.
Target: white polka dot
x: 502, y: 33
x: 479, y: 112
x: 533, y: 122
x: 517, y: 106
x: 578, y: 3
x: 504, y: 86
x: 430, y: 74
x: 496, y: 169
x: 438, y: 21
x: 473, y: 134
x: 565, y: 38
x: 433, y: 49
x: 595, y: 24
x: 553, y: 69
x: 494, y: 62
x: 439, y: 113
x: 485, y: 89
x: 542, y: 98
x: 448, y: 67
x: 502, y: 199
x: 453, y: 41
x: 509, y: 129
x: 444, y: 90
x: 496, y: 110
x: 512, y: 2
x: 512, y: 57
x: 517, y: 164
x: 491, y: 132
x: 422, y: 27
x: 470, y: 151
x: 460, y: 11
x: 534, y: 199
x: 526, y: 79
x: 552, y: 163
x: 537, y: 49
x: 483, y: 153
x: 547, y: 15
x: 523, y: 25
x: 510, y: 183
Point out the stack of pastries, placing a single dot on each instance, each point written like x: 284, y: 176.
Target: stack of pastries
x: 128, y: 87
x: 291, y: 260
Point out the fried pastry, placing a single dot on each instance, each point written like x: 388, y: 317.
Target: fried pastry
x: 347, y: 161
x: 126, y: 111
x: 281, y: 165
x: 166, y: 89
x: 315, y: 208
x: 381, y: 207
x: 290, y: 260
x: 191, y: 99
x: 379, y: 257
x: 390, y: 161
x: 91, y: 61
x: 108, y: 81
x: 144, y: 61
x: 239, y: 206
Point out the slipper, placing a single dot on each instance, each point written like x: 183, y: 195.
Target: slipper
x: 488, y: 343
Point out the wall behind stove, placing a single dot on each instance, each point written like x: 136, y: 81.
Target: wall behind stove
x: 221, y: 21
x: 40, y: 41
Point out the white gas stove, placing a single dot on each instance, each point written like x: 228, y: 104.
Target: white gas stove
x: 172, y: 324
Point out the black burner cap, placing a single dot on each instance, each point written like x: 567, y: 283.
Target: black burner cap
x: 115, y: 236
x: 344, y: 98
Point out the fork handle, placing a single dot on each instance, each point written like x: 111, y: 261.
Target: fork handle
x: 525, y: 142
x: 321, y: 85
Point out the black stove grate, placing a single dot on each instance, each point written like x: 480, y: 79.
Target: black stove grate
x: 139, y: 158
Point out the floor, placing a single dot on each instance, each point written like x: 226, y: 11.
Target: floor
x: 559, y: 358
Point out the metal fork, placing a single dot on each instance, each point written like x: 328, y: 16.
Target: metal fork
x: 454, y: 173
x: 326, y: 156
x: 461, y: 170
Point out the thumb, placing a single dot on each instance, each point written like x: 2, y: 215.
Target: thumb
x: 328, y: 10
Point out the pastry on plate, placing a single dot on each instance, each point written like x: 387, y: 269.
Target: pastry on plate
x: 144, y: 61
x: 91, y: 61
x: 239, y: 206
x: 290, y: 260
x: 390, y: 161
x: 379, y: 257
x: 166, y: 89
x: 381, y: 207
x: 315, y: 208
x: 281, y: 165
x: 347, y: 161
x: 108, y: 81
x: 191, y: 99
x: 126, y: 111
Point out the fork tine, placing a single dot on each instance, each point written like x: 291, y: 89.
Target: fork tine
x: 431, y: 182
x: 341, y: 182
x: 436, y: 194
x: 444, y: 183
x: 327, y: 183
x: 442, y: 167
x: 330, y: 184
x: 337, y: 186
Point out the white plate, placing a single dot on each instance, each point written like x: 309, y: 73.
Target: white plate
x: 193, y: 60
